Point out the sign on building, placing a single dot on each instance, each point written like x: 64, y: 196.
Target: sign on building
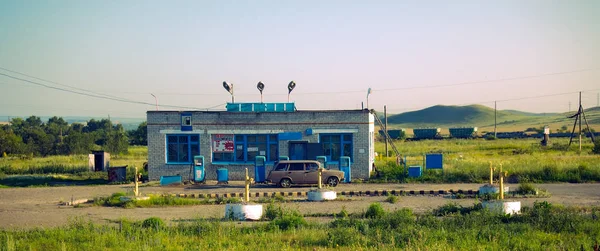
x: 222, y: 143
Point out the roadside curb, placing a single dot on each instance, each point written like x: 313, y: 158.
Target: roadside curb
x: 344, y: 193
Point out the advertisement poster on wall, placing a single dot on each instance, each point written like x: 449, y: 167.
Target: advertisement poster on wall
x: 222, y: 143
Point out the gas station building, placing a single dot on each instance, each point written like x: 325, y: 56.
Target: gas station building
x: 233, y: 139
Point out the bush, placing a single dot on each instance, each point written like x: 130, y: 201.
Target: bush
x: 272, y: 212
x: 153, y: 222
x: 345, y: 236
x: 596, y: 148
x: 527, y: 188
x: 453, y: 208
x: 398, y: 219
x: 375, y: 211
x: 392, y: 199
x: 289, y: 220
x: 343, y: 213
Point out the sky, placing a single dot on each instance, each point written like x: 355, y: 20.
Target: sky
x: 112, y: 58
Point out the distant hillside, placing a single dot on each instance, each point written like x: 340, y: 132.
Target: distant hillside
x: 530, y: 113
x: 471, y: 115
x: 483, y: 117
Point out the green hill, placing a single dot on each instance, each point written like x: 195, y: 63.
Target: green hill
x: 483, y: 117
x: 439, y: 115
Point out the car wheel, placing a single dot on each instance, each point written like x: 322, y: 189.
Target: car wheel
x: 333, y: 181
x: 285, y: 183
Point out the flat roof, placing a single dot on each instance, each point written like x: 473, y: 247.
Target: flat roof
x: 223, y: 111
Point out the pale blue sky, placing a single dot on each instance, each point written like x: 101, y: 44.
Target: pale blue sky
x: 182, y: 51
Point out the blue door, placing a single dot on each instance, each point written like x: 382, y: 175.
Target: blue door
x: 298, y: 150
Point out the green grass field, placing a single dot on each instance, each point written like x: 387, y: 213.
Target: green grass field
x: 63, y: 170
x: 469, y: 160
x: 450, y: 227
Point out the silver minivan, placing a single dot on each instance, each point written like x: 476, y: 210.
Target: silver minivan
x: 288, y: 172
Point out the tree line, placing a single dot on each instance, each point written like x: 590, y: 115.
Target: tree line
x: 32, y: 136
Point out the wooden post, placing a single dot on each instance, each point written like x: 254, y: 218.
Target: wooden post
x: 501, y: 183
x: 136, y: 190
x: 247, y: 187
x: 320, y: 178
x: 491, y: 174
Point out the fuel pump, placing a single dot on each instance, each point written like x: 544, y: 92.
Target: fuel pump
x: 199, y: 170
x: 345, y: 164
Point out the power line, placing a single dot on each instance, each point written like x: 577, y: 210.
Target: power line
x: 392, y: 89
x: 94, y: 95
x: 52, y: 82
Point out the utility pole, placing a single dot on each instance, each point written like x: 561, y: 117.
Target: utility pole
x: 580, y: 111
x: 598, y: 100
x: 386, y: 130
x: 495, y: 120
x: 569, y: 106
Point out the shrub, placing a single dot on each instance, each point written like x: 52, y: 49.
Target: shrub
x: 345, y: 236
x: 394, y: 220
x: 596, y: 148
x: 272, y: 212
x: 375, y: 211
x: 153, y: 222
x: 289, y: 220
x: 392, y: 199
x: 526, y: 188
x: 453, y: 208
x: 343, y: 213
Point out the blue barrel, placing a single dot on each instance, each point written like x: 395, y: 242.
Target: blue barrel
x: 259, y: 174
x: 222, y: 175
x: 415, y: 171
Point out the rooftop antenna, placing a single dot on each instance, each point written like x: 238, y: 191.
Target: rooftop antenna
x: 260, y: 86
x: 229, y: 88
x: 291, y: 87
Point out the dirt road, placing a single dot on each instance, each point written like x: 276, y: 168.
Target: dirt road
x: 26, y: 208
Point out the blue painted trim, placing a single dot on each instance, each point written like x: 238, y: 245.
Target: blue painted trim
x: 179, y: 163
x: 290, y: 136
x: 251, y: 163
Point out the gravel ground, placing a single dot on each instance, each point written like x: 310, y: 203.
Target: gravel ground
x: 26, y: 208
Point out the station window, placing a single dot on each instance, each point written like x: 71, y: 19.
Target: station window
x: 181, y: 149
x: 245, y: 147
x: 336, y: 145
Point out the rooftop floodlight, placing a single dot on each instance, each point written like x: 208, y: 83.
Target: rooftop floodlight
x: 291, y: 87
x: 229, y: 88
x: 260, y: 86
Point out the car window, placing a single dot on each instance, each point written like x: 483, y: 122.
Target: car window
x: 281, y: 167
x: 312, y: 166
x: 296, y: 167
